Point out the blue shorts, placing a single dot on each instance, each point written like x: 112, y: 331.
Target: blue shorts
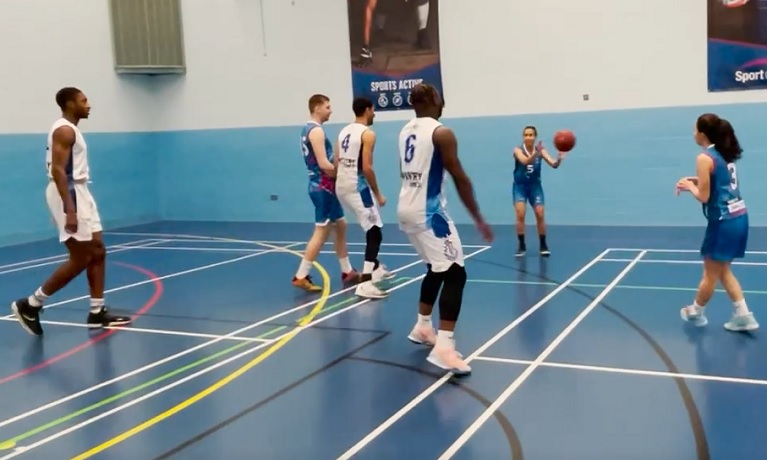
x: 327, y: 208
x: 725, y: 240
x: 531, y: 193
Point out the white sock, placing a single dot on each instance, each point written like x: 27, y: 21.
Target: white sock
x: 697, y: 307
x: 346, y: 266
x: 445, y: 339
x: 424, y: 320
x: 368, y: 267
x: 38, y: 298
x: 423, y: 15
x: 303, y: 269
x: 96, y: 305
x: 740, y: 307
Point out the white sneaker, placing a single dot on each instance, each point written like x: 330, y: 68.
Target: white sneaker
x: 381, y: 273
x: 368, y: 290
x: 423, y: 335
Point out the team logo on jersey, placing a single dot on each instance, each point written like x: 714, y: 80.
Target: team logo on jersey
x: 397, y: 99
x: 383, y: 101
x: 450, y: 252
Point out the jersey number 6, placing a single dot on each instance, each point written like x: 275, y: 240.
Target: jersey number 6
x: 409, y: 148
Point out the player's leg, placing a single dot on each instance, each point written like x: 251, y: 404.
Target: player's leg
x: 732, y: 245
x: 336, y: 215
x: 366, y: 56
x: 519, y: 193
x: 537, y: 202
x: 27, y: 310
x: 302, y: 279
x: 423, y: 332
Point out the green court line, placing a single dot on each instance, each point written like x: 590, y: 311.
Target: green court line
x: 12, y: 442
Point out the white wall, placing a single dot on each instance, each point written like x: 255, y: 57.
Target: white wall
x: 48, y: 44
x: 533, y: 56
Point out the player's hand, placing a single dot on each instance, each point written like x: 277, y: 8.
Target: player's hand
x: 71, y: 222
x: 381, y: 200
x: 539, y: 147
x: 485, y: 230
x: 685, y: 184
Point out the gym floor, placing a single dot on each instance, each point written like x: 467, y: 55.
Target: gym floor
x: 582, y: 355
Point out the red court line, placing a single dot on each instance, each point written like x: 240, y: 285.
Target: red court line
x: 158, y: 289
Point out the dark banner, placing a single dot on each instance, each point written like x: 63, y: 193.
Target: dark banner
x: 394, y: 46
x: 737, y: 45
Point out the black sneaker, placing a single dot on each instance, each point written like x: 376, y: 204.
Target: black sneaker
x: 28, y: 316
x: 521, y: 250
x: 105, y: 319
x: 545, y: 251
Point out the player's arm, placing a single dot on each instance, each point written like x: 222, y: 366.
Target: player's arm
x: 368, y: 144
x: 553, y: 162
x: 522, y: 158
x: 444, y: 138
x: 61, y: 148
x: 317, y: 139
x: 702, y: 190
x: 336, y: 152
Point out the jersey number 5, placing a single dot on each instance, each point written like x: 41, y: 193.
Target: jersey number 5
x: 345, y: 142
x: 733, y: 176
x: 409, y: 148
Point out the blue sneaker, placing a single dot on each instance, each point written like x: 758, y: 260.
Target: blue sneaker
x: 694, y: 315
x: 740, y: 323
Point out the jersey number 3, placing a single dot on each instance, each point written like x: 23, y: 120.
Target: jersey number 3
x: 409, y: 148
x: 733, y: 176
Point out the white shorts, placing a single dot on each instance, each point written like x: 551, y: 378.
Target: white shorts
x: 88, y: 219
x: 368, y: 216
x: 441, y: 253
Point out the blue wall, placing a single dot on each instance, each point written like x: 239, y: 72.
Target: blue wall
x: 622, y: 172
x: 123, y: 170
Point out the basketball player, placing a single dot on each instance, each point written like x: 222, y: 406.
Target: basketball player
x: 527, y: 187
x: 427, y: 149
x: 357, y: 187
x: 318, y: 157
x: 76, y: 215
x: 717, y: 187
x: 422, y: 39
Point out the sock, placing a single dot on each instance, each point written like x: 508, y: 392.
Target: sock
x: 445, y: 339
x: 96, y: 305
x: 368, y: 267
x: 521, y: 238
x: 424, y: 320
x: 543, y: 240
x: 38, y: 298
x: 740, y: 307
x: 423, y: 15
x: 303, y: 269
x: 346, y: 266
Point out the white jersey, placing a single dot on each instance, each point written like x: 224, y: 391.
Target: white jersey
x: 349, y: 178
x: 422, y: 175
x: 77, y: 168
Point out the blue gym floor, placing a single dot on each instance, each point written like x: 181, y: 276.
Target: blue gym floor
x: 579, y: 356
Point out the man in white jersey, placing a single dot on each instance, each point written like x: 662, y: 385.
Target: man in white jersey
x: 427, y: 149
x: 76, y: 215
x: 357, y: 188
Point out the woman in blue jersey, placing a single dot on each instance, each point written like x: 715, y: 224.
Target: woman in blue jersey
x: 527, y: 186
x: 716, y: 187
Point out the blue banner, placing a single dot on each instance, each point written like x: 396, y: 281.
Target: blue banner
x: 737, y: 45
x: 394, y: 46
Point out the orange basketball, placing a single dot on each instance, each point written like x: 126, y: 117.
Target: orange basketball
x: 564, y: 140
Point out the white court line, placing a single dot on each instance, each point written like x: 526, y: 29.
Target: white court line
x: 669, y: 250
x: 148, y: 331
x: 198, y: 347
x: 684, y: 262
x: 622, y: 370
x: 61, y: 258
x: 198, y: 373
x: 248, y: 250
x: 485, y: 416
x: 444, y: 379
x: 215, y: 239
x: 58, y: 256
x: 171, y: 275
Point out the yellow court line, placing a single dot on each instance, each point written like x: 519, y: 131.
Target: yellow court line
x: 229, y: 378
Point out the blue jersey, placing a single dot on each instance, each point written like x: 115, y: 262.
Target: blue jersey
x: 317, y: 179
x: 725, y: 201
x: 527, y: 174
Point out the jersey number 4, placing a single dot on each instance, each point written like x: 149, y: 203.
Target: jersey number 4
x: 409, y: 148
x: 733, y: 176
x: 345, y: 142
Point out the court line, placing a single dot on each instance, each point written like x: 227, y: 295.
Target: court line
x: 353, y: 450
x: 188, y: 351
x: 147, y: 331
x: 671, y: 261
x: 228, y: 360
x: 602, y: 286
x: 474, y: 427
x: 164, y: 277
x: 58, y: 256
x: 623, y: 370
x: 670, y: 250
x: 208, y: 249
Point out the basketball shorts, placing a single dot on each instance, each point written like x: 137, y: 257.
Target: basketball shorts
x: 88, y: 219
x: 725, y: 240
x: 531, y: 193
x: 439, y: 246
x: 362, y: 205
x: 326, y: 207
